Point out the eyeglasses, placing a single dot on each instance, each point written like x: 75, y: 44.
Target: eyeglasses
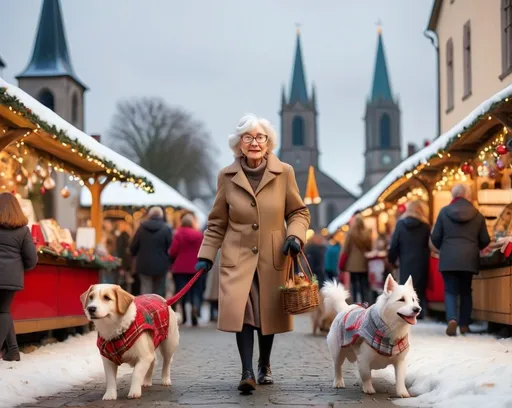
x: 260, y: 139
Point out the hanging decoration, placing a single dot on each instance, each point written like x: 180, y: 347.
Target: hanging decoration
x: 501, y: 150
x: 65, y: 193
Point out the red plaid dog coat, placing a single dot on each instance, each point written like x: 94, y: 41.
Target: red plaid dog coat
x: 367, y: 324
x: 152, y: 314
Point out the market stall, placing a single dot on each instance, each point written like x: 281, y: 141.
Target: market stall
x: 473, y: 152
x: 35, y: 145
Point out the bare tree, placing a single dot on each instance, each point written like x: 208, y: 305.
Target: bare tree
x: 165, y: 140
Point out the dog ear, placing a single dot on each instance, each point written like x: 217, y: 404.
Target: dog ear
x: 85, y: 295
x: 409, y: 282
x: 123, y: 299
x: 389, y: 285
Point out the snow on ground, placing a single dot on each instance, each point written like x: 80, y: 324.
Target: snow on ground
x: 50, y: 369
x: 464, y: 371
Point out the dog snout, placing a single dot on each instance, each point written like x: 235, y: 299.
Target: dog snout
x: 416, y: 309
x: 91, y: 309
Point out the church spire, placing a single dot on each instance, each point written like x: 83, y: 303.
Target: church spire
x: 381, y: 89
x: 298, y: 92
x: 50, y: 56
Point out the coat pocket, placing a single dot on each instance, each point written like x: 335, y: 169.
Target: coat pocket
x: 279, y: 258
x: 230, y: 251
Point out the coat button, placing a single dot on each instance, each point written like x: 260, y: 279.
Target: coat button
x: 253, y: 204
x: 254, y: 250
x: 255, y: 226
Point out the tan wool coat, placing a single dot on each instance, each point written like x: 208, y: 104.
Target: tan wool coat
x: 250, y: 229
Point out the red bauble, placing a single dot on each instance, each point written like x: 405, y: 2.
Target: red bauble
x: 401, y: 208
x: 426, y: 143
x: 42, y: 190
x: 501, y: 149
x: 465, y: 168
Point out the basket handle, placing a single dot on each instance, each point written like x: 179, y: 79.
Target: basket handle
x: 299, y: 263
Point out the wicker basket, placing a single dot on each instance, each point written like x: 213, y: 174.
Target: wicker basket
x: 300, y: 299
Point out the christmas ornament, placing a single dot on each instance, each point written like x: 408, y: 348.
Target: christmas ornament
x: 65, y: 193
x: 492, y: 173
x: 499, y: 164
x: 501, y: 150
x: 466, y: 168
x: 401, y: 208
x: 49, y: 183
x: 42, y: 190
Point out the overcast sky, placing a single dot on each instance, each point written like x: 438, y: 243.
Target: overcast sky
x: 220, y: 59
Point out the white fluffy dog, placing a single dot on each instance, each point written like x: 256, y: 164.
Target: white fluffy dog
x: 375, y: 337
x: 130, y: 329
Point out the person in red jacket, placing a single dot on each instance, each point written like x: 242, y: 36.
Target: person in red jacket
x: 183, y: 252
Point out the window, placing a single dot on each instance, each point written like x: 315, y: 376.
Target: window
x: 467, y: 59
x: 449, y: 75
x: 46, y: 98
x: 506, y: 37
x: 298, y: 131
x: 385, y: 131
x: 74, y: 110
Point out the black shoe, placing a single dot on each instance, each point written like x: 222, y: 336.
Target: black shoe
x: 247, y: 383
x: 11, y: 356
x: 265, y: 375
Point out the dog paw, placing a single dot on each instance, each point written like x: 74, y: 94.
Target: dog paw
x: 368, y: 389
x: 110, y: 396
x: 134, y: 394
x: 147, y: 383
x: 166, y: 381
x: 403, y: 393
x: 339, y: 383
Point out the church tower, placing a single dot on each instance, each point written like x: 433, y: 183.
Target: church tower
x: 299, y: 142
x: 382, y: 119
x: 51, y: 79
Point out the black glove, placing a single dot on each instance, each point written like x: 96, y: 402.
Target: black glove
x: 291, y: 246
x: 203, y: 263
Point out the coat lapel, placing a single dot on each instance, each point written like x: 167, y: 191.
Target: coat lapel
x: 274, y: 167
x: 240, y: 179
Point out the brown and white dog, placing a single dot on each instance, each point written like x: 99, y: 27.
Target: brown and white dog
x: 130, y: 329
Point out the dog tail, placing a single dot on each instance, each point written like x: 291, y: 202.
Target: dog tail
x: 335, y: 296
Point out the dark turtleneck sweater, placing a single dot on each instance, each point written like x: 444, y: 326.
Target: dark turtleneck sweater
x: 254, y: 175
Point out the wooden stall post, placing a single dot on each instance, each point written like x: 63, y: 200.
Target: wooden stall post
x: 96, y: 208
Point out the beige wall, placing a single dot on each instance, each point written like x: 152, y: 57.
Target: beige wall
x: 485, y: 55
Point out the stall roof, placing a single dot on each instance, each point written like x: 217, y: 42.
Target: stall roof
x: 51, y: 134
x: 118, y: 194
x: 421, y: 157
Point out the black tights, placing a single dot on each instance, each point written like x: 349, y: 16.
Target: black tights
x: 7, y: 334
x: 245, y: 343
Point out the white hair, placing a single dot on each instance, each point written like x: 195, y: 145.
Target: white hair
x: 247, y: 123
x: 155, y: 212
x: 461, y: 190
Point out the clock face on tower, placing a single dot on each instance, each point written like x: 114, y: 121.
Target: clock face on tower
x: 386, y: 159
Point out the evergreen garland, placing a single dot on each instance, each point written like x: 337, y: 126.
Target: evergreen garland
x: 15, y: 104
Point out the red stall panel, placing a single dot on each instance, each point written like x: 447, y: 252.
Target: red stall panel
x: 74, y: 282
x: 40, y: 297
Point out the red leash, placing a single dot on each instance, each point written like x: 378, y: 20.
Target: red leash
x: 185, y: 289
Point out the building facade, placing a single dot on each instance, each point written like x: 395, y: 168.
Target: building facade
x: 299, y: 146
x: 383, y: 138
x: 474, y: 45
x: 50, y: 78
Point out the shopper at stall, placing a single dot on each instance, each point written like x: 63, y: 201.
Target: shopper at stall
x: 151, y: 245
x: 353, y: 259
x: 257, y: 217
x: 332, y: 257
x: 410, y: 245
x: 183, y: 252
x: 459, y: 234
x: 17, y: 254
x: 315, y: 253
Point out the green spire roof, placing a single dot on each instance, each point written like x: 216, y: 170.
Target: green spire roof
x: 50, y: 56
x: 381, y: 88
x: 298, y: 92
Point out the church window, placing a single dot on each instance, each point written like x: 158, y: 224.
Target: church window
x: 467, y: 59
x: 298, y: 131
x: 506, y: 37
x: 449, y: 75
x: 385, y: 131
x: 47, y: 99
x: 74, y: 109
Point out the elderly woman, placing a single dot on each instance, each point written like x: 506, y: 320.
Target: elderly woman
x: 459, y: 234
x: 258, y: 216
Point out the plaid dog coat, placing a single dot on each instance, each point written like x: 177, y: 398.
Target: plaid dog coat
x: 152, y: 314
x: 367, y: 324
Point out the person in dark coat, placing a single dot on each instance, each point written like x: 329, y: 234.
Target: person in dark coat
x: 315, y: 253
x: 410, y: 245
x: 17, y: 255
x: 332, y: 257
x: 459, y: 234
x: 150, y: 245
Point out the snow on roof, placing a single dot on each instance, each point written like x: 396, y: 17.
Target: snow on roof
x: 119, y: 194
x: 96, y: 148
x: 370, y: 198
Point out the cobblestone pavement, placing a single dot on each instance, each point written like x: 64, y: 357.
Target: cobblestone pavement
x: 206, y: 372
